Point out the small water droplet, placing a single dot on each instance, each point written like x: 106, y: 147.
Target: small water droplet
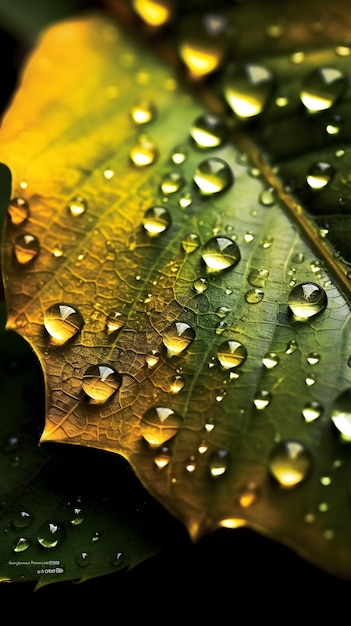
x: 267, y: 197
x: 117, y: 559
x: 76, y: 513
x: 223, y: 311
x: 341, y: 414
x: 162, y: 457
x: 322, y: 88
x: 156, y: 221
x: 22, y: 519
x: 200, y: 285
x: 51, y: 534
x: 77, y: 206
x: 249, y: 495
x: 172, y: 182
x: 326, y: 481
x: 258, y: 278
x: 290, y: 463
x: 253, y: 296
x: 101, y: 382
x: 310, y: 380
x: 26, y: 248
x: 11, y: 444
x: 219, y: 254
x: 83, y: 558
x: 177, y: 384
x: 262, y: 399
x: 191, y: 242
x: 270, y: 360
x: 190, y: 465
x: 142, y: 112
x: 155, y: 13
x: 96, y: 536
x: 62, y: 322
x: 202, y: 448
x: 212, y: 176
x: 208, y: 131
x: 313, y: 358
x: 312, y: 411
x: 114, y: 322
x: 108, y: 173
x: 231, y: 354
x: 248, y: 89
x: 185, y: 201
x: 21, y: 544
x: 18, y: 211
x: 209, y: 425
x: 307, y: 300
x: 218, y: 463
x: 177, y: 337
x: 158, y: 425
x: 152, y: 358
x: 179, y: 155
x: 144, y: 152
x: 319, y: 175
x: 202, y: 47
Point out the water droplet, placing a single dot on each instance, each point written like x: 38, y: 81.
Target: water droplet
x: 162, y: 457
x: 11, y: 444
x: 156, y: 220
x: 26, y: 248
x: 249, y: 495
x: 100, y: 383
x: 142, y: 112
x: 223, y: 311
x: 253, y: 296
x: 202, y: 448
x: 179, y: 155
x: 307, y: 300
x: 177, y: 337
x: 249, y: 237
x: 310, y: 380
x: 341, y: 414
x: 83, y: 558
x: 219, y: 254
x: 185, y: 201
x: 154, y: 12
x: 290, y: 463
x: 322, y: 88
x: 96, y: 536
x: 159, y: 424
x: 190, y: 465
x: 312, y: 411
x: 270, y: 360
x: 326, y: 481
x: 267, y: 197
x: 18, y: 211
x: 77, y: 206
x: 177, y: 384
x: 76, y: 512
x: 21, y: 544
x: 313, y: 358
x: 51, y: 534
x: 218, y: 463
x: 114, y: 322
x: 22, y: 519
x: 258, y: 278
x: 108, y: 173
x: 291, y: 346
x: 212, y: 176
x: 172, y: 182
x: 200, y: 285
x: 191, y: 242
x: 152, y: 358
x: 262, y: 399
x: 247, y: 90
x: 231, y: 354
x: 209, y: 425
x: 203, y: 44
x: 208, y: 131
x: 319, y: 175
x: 62, y: 322
x: 117, y: 559
x: 144, y: 152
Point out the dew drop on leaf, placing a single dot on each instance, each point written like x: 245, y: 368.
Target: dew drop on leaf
x: 100, y: 383
x: 172, y: 182
x: 248, y: 89
x: 114, y: 322
x: 341, y: 414
x: 144, y: 152
x: 22, y: 519
x: 200, y: 285
x: 158, y: 425
x: 307, y: 300
x: 322, y: 88
x: 21, y: 544
x: 290, y: 463
x: 219, y: 254
x: 203, y: 45
x: 319, y: 175
x: 18, y: 211
x: 77, y: 206
x: 142, y: 112
x: 248, y: 495
x: 262, y: 399
x: 312, y: 411
x: 258, y: 278
x: 212, y: 176
x: 83, y: 558
x: 218, y: 463
x: 313, y: 358
x: 291, y: 346
x: 253, y: 296
x: 177, y: 384
x: 270, y: 360
x: 177, y: 337
x: 152, y: 358
x: 185, y: 201
x: 156, y: 221
x: 26, y: 248
x: 179, y: 155
x: 51, y: 534
x: 190, y: 242
x: 154, y: 12
x: 208, y: 131
x: 231, y: 354
x: 117, y: 559
x: 62, y: 322
x: 267, y: 197
x: 162, y: 457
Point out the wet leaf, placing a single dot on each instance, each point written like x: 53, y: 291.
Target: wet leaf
x: 185, y: 314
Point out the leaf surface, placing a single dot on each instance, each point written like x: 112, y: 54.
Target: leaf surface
x: 175, y: 262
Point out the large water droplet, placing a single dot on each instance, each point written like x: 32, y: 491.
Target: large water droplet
x: 144, y: 152
x: 307, y: 300
x: 208, y: 131
x: 62, y: 322
x: 262, y: 399
x: 341, y: 414
x: 231, y: 354
x: 313, y: 358
x: 21, y: 544
x: 248, y: 89
x: 219, y: 254
x: 159, y: 424
x: 322, y: 88
x: 212, y: 176
x: 270, y: 360
x: 114, y: 322
x: 172, y: 182
x: 18, y: 211
x: 100, y: 382
x: 319, y: 175
x: 142, y: 112
x: 26, y: 248
x: 312, y: 411
x: 77, y: 206
x: 177, y: 337
x: 154, y: 12
x: 51, y: 534
x: 290, y: 463
x: 218, y: 463
x: 203, y: 44
x: 156, y: 220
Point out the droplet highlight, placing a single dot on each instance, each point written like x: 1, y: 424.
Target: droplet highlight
x: 341, y: 414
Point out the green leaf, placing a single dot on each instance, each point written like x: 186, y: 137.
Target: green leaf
x: 227, y: 315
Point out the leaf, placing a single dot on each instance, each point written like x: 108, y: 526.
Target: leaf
x: 241, y: 439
